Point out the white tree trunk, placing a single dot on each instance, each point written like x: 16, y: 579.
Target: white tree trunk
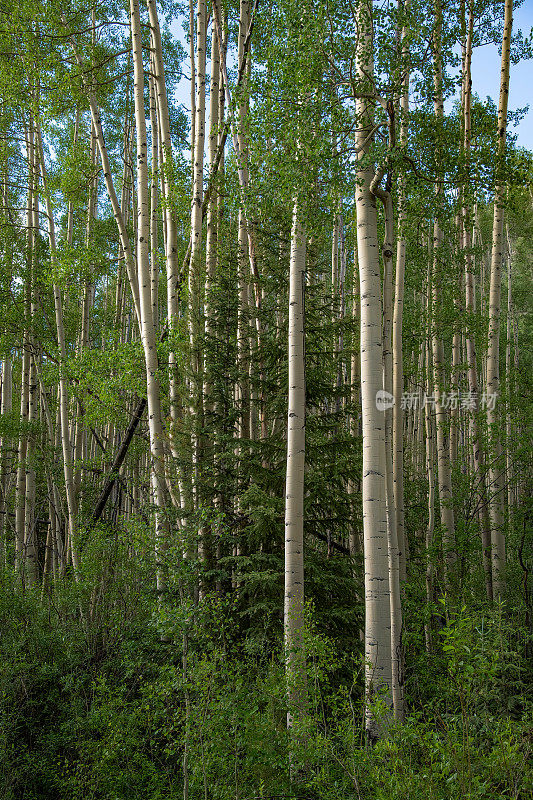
x: 443, y: 451
x: 294, y: 610
x: 148, y: 337
x: 378, y: 663
x: 496, y: 470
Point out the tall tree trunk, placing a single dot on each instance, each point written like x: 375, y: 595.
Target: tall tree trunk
x: 397, y: 325
x: 378, y: 677
x: 63, y: 384
x: 392, y: 532
x: 294, y: 618
x: 430, y: 468
x: 5, y: 410
x: 171, y: 240
x: 496, y: 470
x: 20, y: 489
x: 475, y: 433
x: 508, y: 378
x: 243, y: 332
x: 30, y: 522
x: 128, y: 253
x: 155, y: 426
x: 154, y: 210
x: 443, y: 452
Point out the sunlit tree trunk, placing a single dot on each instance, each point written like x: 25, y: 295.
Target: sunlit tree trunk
x: 294, y: 619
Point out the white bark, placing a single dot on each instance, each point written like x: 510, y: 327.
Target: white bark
x: 478, y: 460
x: 294, y: 617
x: 496, y: 470
x: 5, y: 409
x: 63, y: 385
x: 397, y: 329
x: 378, y: 663
x: 443, y: 452
x: 148, y: 337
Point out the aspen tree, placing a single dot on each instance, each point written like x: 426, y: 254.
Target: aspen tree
x: 243, y: 339
x: 154, y: 243
x: 211, y: 251
x: 430, y: 468
x: 83, y: 340
x: 496, y: 471
x: 443, y: 453
x: 392, y: 531
x: 242, y: 175
x: 129, y: 256
x: 30, y: 543
x: 171, y: 239
x: 378, y: 663
x: 63, y: 426
x: 6, y: 408
x: 508, y: 378
x: 148, y: 337
x: 397, y: 324
x: 20, y: 486
x: 471, y: 357
x: 355, y: 544
x: 294, y: 617
x: 211, y: 257
x: 195, y: 317
x: 192, y: 60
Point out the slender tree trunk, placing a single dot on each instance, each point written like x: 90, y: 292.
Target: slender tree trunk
x: 129, y: 257
x: 508, y: 423
x: 5, y: 409
x: 294, y: 619
x: 63, y: 385
x: 195, y: 267
x: 243, y: 332
x: 443, y: 452
x: 155, y: 426
x: 192, y: 50
x: 496, y: 470
x: 430, y: 468
x: 392, y: 532
x: 154, y: 210
x: 171, y: 239
x: 397, y: 327
x: 20, y: 490
x: 475, y: 433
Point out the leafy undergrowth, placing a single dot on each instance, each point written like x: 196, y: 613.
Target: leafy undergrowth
x: 106, y: 711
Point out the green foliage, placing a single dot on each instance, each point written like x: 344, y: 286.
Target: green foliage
x: 111, y: 708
